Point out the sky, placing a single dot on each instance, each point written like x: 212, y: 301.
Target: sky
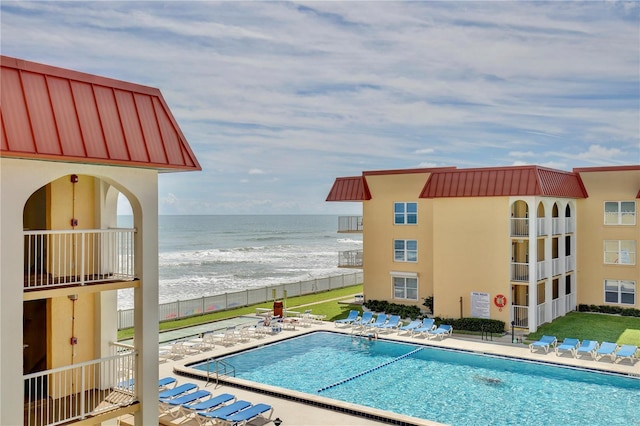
x: 277, y: 99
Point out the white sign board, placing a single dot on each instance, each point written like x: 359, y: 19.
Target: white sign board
x: 480, y: 305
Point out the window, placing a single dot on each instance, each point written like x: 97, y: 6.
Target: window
x: 620, y: 252
x: 620, y: 213
x: 405, y: 213
x: 620, y: 291
x: 405, y: 288
x: 405, y: 250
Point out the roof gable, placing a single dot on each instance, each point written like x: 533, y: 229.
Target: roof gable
x: 63, y: 115
x: 503, y: 181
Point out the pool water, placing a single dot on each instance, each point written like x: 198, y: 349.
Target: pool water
x: 441, y: 385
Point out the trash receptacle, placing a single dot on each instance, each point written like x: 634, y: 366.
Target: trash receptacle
x: 277, y: 308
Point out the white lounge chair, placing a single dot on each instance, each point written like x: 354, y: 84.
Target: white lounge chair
x: 441, y: 332
x: 586, y: 347
x: 629, y: 352
x: 569, y: 345
x: 545, y: 342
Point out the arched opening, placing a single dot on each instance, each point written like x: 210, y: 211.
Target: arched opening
x: 519, y: 219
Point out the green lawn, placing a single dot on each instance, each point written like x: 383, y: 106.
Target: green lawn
x: 610, y: 328
x: 317, y: 302
x: 600, y: 327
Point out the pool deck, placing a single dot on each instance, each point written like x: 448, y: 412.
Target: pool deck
x: 289, y: 408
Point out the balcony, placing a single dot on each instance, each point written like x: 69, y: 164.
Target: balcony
x: 520, y: 272
x: 350, y: 259
x: 80, y: 391
x: 61, y: 258
x: 348, y: 224
x: 519, y: 227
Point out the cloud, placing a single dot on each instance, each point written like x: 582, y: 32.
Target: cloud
x: 308, y: 91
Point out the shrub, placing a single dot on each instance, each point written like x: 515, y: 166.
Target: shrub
x: 473, y: 324
x: 404, y: 311
x: 428, y: 302
x: 612, y: 310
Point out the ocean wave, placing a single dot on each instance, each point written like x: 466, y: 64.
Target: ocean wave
x: 348, y: 241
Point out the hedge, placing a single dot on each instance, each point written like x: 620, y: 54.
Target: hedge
x: 404, y: 311
x: 473, y: 324
x: 608, y: 309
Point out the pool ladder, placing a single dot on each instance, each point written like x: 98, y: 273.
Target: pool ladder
x: 220, y: 369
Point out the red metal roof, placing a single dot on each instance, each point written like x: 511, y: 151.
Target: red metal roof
x: 352, y: 188
x: 52, y: 113
x: 503, y: 181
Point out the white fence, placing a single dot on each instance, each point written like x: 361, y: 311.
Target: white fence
x: 221, y: 302
x: 80, y: 390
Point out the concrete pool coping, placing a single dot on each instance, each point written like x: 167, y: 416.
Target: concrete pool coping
x: 290, y: 405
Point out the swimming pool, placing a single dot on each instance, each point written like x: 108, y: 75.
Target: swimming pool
x: 441, y: 385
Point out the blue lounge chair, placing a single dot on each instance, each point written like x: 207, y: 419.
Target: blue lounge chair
x: 545, y: 343
x: 607, y: 349
x: 207, y: 404
x: 248, y: 414
x: 353, y: 315
x: 569, y: 344
x: 166, y: 406
x: 204, y: 417
x: 178, y: 390
x: 410, y: 327
x: 440, y: 332
x: 629, y: 352
x: 586, y: 347
x: 426, y: 326
x: 364, y: 319
x: 163, y: 384
x: 393, y: 323
x: 381, y: 319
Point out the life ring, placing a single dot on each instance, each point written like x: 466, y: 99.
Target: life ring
x: 500, y: 301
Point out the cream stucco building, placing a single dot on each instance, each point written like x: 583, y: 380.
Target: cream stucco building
x: 71, y: 143
x: 523, y: 244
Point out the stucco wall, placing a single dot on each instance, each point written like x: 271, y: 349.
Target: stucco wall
x: 592, y: 271
x: 471, y: 253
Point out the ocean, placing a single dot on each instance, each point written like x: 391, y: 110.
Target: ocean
x: 206, y: 255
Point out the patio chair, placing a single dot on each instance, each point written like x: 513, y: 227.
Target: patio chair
x: 426, y: 326
x: 392, y: 324
x: 366, y: 318
x: 178, y: 390
x: 165, y: 382
x: 409, y: 327
x: 586, y: 347
x: 167, y: 406
x: 629, y: 352
x: 248, y: 414
x: 381, y: 319
x: 440, y: 332
x: 353, y: 315
x: 607, y: 349
x: 207, y: 404
x: 545, y: 343
x: 569, y: 345
x: 204, y: 417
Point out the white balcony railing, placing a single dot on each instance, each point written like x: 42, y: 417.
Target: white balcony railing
x: 557, y: 266
x: 570, y: 263
x: 542, y: 314
x: 520, y: 316
x: 570, y: 302
x: 556, y: 225
x: 350, y: 224
x: 519, y: 227
x: 80, y: 390
x: 542, y: 270
x: 350, y: 259
x: 557, y: 307
x: 541, y: 228
x: 520, y: 272
x: 56, y: 258
x: 569, y: 225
